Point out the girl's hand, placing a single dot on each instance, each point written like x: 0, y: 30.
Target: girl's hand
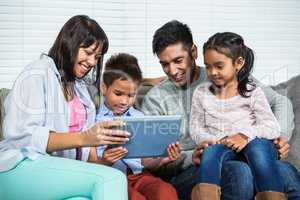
x: 235, y: 142
x: 174, y: 152
x: 102, y: 134
x: 112, y: 155
x: 199, y: 150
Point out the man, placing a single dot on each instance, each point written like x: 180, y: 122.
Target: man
x: 176, y: 51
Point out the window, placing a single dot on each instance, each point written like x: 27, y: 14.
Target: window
x: 270, y: 27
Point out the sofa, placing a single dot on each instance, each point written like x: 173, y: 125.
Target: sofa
x: 290, y: 88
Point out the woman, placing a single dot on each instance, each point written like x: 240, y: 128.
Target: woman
x: 49, y: 112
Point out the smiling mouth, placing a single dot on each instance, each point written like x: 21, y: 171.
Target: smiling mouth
x: 179, y: 78
x: 84, y: 67
x: 121, y: 109
x: 217, y: 81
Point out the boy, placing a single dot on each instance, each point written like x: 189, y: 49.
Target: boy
x: 121, y: 79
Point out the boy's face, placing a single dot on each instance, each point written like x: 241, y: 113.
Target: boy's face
x: 120, y: 95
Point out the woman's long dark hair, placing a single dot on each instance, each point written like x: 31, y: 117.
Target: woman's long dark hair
x: 79, y: 31
x: 232, y: 45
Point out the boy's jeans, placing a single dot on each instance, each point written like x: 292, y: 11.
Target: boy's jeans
x: 260, y: 155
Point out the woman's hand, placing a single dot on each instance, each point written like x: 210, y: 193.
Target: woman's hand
x: 235, y: 142
x: 112, y: 155
x: 102, y: 134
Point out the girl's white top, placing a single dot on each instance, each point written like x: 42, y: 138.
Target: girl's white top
x: 213, y: 118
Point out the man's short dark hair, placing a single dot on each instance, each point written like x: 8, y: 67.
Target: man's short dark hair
x: 122, y: 66
x: 172, y: 32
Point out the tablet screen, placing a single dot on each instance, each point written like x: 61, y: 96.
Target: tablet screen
x: 150, y: 135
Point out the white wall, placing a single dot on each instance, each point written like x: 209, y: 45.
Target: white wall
x: 270, y: 27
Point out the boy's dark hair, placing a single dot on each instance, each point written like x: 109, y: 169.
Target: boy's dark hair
x: 232, y: 45
x: 172, y: 32
x: 122, y: 66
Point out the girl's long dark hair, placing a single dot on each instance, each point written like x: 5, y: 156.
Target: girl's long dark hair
x: 78, y: 31
x: 232, y: 45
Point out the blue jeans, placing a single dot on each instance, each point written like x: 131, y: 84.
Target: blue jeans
x: 291, y: 178
x: 237, y: 181
x: 261, y: 156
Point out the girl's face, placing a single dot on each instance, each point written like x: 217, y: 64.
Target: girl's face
x: 87, y: 58
x: 220, y: 69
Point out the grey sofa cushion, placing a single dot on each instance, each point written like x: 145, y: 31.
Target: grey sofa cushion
x: 291, y: 89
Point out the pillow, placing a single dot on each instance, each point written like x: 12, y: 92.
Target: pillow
x: 144, y: 88
x: 291, y: 89
x: 3, y: 93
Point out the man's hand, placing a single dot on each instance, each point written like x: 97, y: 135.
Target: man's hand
x: 235, y: 142
x: 282, y: 146
x: 199, y: 150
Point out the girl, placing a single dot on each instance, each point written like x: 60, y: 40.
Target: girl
x: 232, y: 113
x: 49, y: 112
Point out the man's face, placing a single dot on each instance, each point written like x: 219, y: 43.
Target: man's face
x: 178, y: 64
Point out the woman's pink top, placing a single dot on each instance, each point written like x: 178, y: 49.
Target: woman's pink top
x: 77, y: 119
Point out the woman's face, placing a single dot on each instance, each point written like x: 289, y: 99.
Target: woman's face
x: 87, y: 58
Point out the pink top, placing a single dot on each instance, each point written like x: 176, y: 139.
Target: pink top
x: 77, y: 115
x: 77, y: 119
x: 213, y: 118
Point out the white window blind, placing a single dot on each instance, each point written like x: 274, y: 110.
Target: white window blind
x: 270, y: 27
